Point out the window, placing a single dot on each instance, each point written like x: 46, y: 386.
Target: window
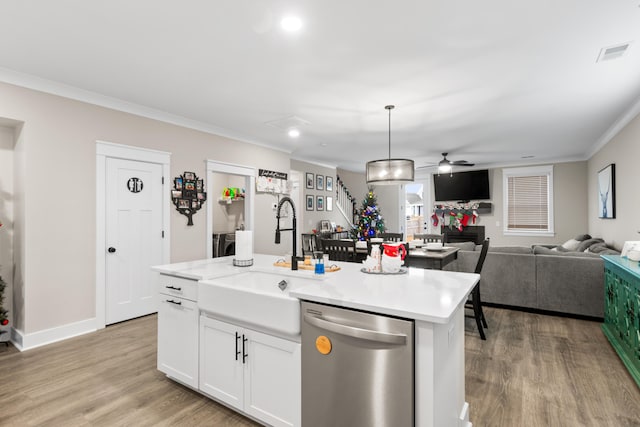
x: 528, y: 201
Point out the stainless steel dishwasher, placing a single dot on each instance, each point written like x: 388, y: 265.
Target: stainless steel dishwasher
x: 357, y: 368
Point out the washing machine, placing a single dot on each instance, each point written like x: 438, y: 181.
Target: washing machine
x: 216, y: 245
x: 228, y: 244
x: 224, y: 244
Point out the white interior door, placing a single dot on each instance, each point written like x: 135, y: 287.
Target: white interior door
x: 133, y: 237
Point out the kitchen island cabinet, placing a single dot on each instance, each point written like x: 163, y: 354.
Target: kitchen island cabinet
x: 256, y: 373
x: 433, y: 300
x: 178, y: 329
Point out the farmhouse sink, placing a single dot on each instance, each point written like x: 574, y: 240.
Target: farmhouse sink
x: 255, y: 298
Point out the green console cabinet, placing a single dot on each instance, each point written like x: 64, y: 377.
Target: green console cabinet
x: 622, y: 310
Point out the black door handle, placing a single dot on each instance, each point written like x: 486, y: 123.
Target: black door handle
x: 244, y: 351
x: 111, y: 250
x: 237, y: 351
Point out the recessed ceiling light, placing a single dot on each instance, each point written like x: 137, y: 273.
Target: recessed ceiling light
x: 527, y: 157
x: 294, y: 133
x: 291, y: 23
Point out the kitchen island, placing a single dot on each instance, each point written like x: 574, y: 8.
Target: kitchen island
x: 245, y: 308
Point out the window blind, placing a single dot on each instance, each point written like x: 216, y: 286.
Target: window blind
x: 528, y: 202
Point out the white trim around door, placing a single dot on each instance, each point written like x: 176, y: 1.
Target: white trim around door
x: 249, y: 174
x: 106, y: 150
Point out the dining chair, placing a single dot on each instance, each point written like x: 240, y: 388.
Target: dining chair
x: 309, y: 244
x: 339, y: 250
x: 391, y: 237
x: 430, y: 238
x: 474, y: 302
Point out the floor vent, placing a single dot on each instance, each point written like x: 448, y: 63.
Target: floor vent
x: 612, y: 52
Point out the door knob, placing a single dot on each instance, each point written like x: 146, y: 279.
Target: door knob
x: 111, y: 250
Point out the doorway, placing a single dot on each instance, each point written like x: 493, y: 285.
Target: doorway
x: 417, y: 195
x: 132, y: 229
x: 222, y: 175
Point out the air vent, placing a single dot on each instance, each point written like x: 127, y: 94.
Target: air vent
x: 612, y: 52
x: 291, y: 122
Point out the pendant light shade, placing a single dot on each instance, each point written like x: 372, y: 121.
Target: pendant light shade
x: 390, y: 171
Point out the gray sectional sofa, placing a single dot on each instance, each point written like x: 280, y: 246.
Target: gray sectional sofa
x: 539, y: 277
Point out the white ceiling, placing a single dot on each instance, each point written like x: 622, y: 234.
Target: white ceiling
x: 488, y: 82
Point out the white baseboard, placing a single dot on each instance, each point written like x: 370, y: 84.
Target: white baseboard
x: 29, y: 341
x: 464, y: 416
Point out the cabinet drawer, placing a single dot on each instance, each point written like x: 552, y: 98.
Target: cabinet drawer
x: 179, y: 287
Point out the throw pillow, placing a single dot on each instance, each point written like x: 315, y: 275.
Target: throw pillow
x: 597, y: 248
x: 571, y: 244
x: 582, y: 246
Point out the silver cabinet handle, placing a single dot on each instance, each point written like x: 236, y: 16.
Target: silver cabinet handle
x: 352, y: 331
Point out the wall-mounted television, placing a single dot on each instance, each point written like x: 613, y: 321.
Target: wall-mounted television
x: 462, y: 186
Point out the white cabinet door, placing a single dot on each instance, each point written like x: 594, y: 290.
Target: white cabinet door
x: 178, y: 339
x: 221, y: 368
x: 272, y: 380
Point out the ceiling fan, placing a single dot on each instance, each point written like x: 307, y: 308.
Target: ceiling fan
x: 445, y: 165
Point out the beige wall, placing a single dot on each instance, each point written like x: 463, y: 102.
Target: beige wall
x: 570, y: 205
x: 624, y: 151
x: 59, y: 166
x: 311, y: 219
x: 7, y: 140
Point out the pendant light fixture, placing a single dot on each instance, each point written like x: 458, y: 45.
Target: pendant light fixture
x: 390, y: 171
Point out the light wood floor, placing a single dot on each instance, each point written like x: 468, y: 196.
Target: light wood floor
x: 533, y: 370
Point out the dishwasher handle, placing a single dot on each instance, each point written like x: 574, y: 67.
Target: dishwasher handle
x: 352, y: 331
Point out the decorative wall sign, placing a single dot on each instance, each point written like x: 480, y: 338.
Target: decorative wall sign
x: 135, y: 185
x: 271, y: 181
x: 188, y: 195
x: 607, y: 192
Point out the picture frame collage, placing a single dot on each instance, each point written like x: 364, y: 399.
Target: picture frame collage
x: 318, y: 182
x: 188, y: 194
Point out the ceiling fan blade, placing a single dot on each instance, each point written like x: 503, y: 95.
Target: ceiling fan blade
x: 462, y: 163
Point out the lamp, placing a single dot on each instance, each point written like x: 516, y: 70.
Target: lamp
x: 444, y: 166
x: 390, y: 171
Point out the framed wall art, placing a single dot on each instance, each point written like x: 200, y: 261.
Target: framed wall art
x: 319, y: 182
x: 309, y: 202
x: 188, y: 195
x: 607, y: 192
x: 329, y: 183
x: 329, y: 203
x: 309, y: 180
x: 319, y: 203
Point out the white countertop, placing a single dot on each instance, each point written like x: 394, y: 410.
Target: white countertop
x: 427, y: 295
x: 201, y: 269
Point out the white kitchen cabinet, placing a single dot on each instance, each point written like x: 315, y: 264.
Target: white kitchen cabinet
x: 254, y: 372
x: 178, y: 329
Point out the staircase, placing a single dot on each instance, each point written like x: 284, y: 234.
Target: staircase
x: 346, y: 203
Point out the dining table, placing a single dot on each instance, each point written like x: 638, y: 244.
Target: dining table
x: 435, y: 259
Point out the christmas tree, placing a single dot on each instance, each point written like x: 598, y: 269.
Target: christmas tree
x: 3, y: 313
x: 371, y: 221
x: 4, y: 320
